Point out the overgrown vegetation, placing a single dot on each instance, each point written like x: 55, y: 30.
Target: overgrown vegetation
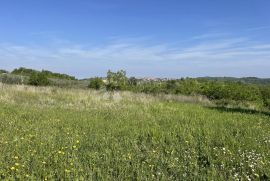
x: 266, y: 95
x: 246, y: 92
x: 222, y: 92
x: 47, y: 133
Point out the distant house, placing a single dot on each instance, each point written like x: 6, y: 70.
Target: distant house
x: 104, y: 80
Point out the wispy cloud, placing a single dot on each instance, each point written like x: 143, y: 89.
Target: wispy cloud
x: 216, y: 56
x: 258, y: 28
x: 209, y: 36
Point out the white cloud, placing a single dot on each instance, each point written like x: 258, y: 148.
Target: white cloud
x: 202, y: 58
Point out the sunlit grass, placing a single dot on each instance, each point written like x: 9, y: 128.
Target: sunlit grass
x: 51, y: 133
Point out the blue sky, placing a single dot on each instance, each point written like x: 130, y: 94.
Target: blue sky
x: 157, y: 38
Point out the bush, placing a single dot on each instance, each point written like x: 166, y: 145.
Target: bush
x: 39, y: 79
x: 96, y: 83
x: 3, y: 71
x: 186, y: 87
x: 24, y: 71
x: 12, y: 79
x: 132, y: 81
x: 171, y: 84
x: 150, y: 89
x: 267, y: 103
x: 231, y: 91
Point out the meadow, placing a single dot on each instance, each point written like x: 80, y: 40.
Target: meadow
x: 49, y: 133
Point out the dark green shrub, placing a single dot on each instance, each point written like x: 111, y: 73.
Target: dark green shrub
x: 3, y: 71
x: 39, y: 79
x: 151, y: 89
x: 171, y: 84
x: 132, y: 81
x: 231, y: 91
x: 96, y: 83
x: 187, y: 87
x: 12, y: 79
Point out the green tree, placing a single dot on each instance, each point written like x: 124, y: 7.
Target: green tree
x: 3, y: 71
x: 39, y: 79
x: 116, y: 80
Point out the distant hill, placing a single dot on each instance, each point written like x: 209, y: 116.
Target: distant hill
x: 28, y: 72
x: 248, y: 80
x: 64, y: 79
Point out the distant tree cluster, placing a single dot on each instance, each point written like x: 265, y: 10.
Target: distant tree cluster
x: 49, y: 74
x: 57, y: 75
x: 223, y: 92
x: 23, y: 71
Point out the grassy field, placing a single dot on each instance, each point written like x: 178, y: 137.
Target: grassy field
x: 55, y: 134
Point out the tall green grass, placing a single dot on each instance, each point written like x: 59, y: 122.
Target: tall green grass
x: 64, y: 134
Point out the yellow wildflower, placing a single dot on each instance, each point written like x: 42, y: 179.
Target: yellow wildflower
x: 61, y: 152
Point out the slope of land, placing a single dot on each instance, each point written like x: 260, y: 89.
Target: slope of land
x: 52, y: 133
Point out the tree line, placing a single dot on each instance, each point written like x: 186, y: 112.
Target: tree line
x: 224, y: 92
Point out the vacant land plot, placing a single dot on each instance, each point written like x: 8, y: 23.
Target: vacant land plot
x: 50, y: 133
